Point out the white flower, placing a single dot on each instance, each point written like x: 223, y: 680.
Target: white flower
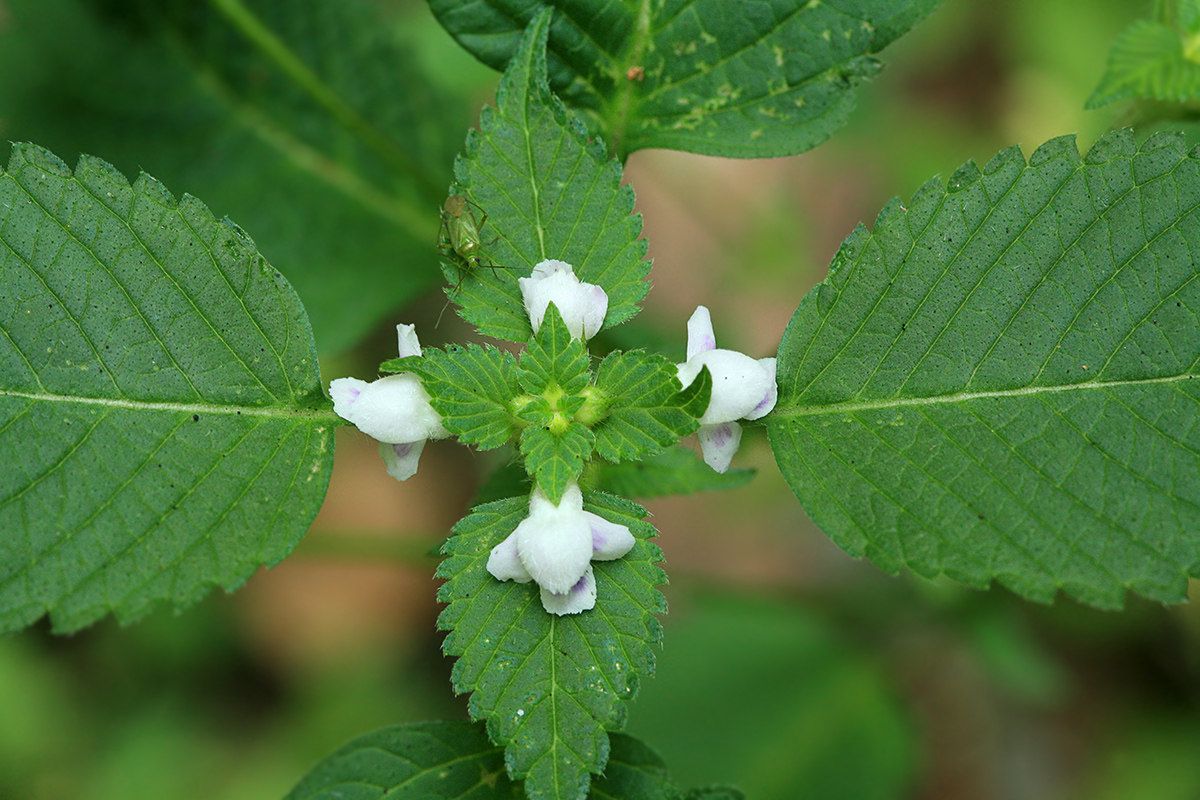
x: 395, y: 410
x: 555, y: 546
x: 743, y: 388
x: 581, y: 305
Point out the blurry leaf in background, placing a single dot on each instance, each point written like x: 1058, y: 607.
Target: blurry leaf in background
x: 1154, y: 61
x: 706, y: 76
x: 161, y: 413
x: 1154, y: 757
x: 306, y: 121
x: 760, y: 695
x: 997, y: 382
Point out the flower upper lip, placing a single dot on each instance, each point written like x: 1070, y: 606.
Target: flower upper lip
x: 582, y: 306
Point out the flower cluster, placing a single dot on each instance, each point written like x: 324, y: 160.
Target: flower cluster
x: 556, y: 543
x: 555, y: 546
x: 743, y: 388
x: 394, y: 410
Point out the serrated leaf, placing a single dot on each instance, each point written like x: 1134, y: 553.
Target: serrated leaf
x: 456, y: 761
x: 307, y: 121
x: 1149, y: 60
x: 554, y: 359
x: 677, y: 471
x: 550, y: 193
x: 999, y: 381
x: 555, y: 459
x: 705, y: 76
x: 472, y: 387
x: 549, y: 686
x: 417, y: 761
x: 160, y: 404
x: 647, y: 406
x: 695, y: 397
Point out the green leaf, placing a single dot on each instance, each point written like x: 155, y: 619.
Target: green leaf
x: 694, y: 399
x: 1153, y: 61
x: 549, y: 193
x: 549, y: 686
x: 677, y: 471
x: 472, y: 387
x: 554, y: 459
x: 455, y: 761
x: 999, y: 381
x: 646, y: 415
x: 417, y: 761
x: 160, y: 402
x: 307, y: 121
x: 553, y: 360
x: 706, y: 76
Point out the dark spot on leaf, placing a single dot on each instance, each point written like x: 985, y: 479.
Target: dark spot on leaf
x: 195, y: 417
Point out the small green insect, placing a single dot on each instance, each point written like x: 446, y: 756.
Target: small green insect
x: 459, y: 235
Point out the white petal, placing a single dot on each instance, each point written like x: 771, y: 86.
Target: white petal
x: 401, y: 459
x: 718, y: 443
x: 392, y: 409
x: 504, y: 564
x: 407, y: 345
x: 580, y: 598
x: 700, y: 336
x: 765, y: 405
x: 609, y: 540
x: 739, y: 383
x: 582, y: 306
x: 555, y: 542
x: 595, y: 309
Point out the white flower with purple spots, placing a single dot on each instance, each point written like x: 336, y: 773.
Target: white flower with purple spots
x: 581, y: 305
x: 743, y: 388
x: 555, y: 546
x: 394, y: 409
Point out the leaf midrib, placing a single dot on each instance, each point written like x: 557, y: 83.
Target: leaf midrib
x: 289, y: 412
x: 966, y: 397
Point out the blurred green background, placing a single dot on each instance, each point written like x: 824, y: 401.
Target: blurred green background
x: 789, y: 669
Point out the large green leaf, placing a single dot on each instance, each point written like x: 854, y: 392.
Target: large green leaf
x: 718, y: 77
x: 306, y: 121
x: 161, y: 412
x: 549, y: 686
x: 999, y: 381
x: 549, y: 193
x: 455, y: 761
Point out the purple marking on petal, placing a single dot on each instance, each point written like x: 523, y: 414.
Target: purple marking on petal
x: 599, y: 539
x: 580, y: 586
x: 353, y: 393
x: 402, y: 449
x: 768, y: 399
x: 720, y: 436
